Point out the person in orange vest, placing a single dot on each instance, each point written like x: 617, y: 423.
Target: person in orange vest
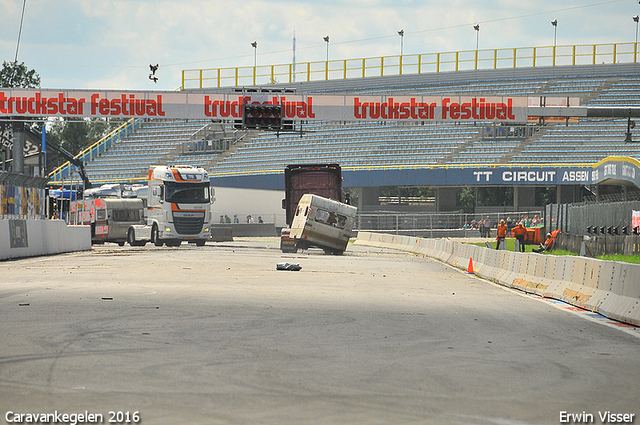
x: 519, y: 232
x: 502, y: 233
x: 549, y: 243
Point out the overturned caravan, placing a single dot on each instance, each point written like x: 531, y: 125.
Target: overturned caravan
x: 323, y: 223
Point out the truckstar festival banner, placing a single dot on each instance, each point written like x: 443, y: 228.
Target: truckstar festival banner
x: 307, y: 107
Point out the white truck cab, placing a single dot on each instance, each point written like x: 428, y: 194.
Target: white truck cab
x: 178, y: 206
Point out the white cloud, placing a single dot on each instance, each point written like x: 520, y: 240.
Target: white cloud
x: 110, y: 44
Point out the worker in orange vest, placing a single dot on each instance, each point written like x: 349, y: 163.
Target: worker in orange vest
x: 519, y: 232
x: 549, y: 244
x: 502, y: 233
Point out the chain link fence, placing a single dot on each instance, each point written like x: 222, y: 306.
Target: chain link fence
x: 435, y: 225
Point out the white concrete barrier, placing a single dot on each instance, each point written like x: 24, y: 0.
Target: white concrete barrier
x: 28, y: 238
x: 607, y: 287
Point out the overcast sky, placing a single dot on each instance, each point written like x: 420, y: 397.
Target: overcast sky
x: 109, y: 44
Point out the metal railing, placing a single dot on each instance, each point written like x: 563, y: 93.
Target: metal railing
x: 206, y: 146
x: 204, y: 141
x: 453, y: 224
x: 518, y: 57
x: 576, y: 218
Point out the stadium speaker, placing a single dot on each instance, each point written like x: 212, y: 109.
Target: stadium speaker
x: 589, y: 229
x: 625, y: 230
x: 616, y: 230
x: 262, y: 116
x: 610, y: 230
x: 602, y: 230
x: 636, y: 230
x: 630, y: 125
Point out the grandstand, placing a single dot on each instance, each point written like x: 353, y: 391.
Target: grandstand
x: 187, y: 142
x: 386, y: 144
x: 224, y: 151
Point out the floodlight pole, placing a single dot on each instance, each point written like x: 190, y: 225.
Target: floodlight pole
x: 636, y: 19
x: 326, y: 39
x: 255, y: 60
x: 477, y: 28
x: 555, y: 34
x: 401, y: 34
x: 255, y: 53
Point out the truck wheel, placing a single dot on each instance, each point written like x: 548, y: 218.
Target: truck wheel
x: 131, y: 238
x: 200, y: 242
x: 154, y: 236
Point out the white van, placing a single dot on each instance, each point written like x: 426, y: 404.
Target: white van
x: 323, y: 223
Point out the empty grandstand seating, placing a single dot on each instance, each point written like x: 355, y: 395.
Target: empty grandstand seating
x: 399, y: 144
x: 158, y: 142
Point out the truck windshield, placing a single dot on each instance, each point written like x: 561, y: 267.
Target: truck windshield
x: 192, y: 193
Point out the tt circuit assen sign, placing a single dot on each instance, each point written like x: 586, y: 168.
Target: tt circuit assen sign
x: 185, y: 105
x: 472, y: 176
x: 542, y: 176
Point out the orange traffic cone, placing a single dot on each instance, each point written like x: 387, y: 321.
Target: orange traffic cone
x: 470, y: 268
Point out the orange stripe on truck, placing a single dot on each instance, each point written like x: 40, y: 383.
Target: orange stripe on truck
x: 175, y: 207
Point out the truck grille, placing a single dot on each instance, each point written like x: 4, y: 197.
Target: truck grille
x: 188, y: 225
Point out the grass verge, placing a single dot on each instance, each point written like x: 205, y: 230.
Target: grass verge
x: 511, y: 245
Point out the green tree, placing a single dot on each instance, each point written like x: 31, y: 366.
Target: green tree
x: 545, y: 196
x: 486, y: 196
x: 466, y: 198
x: 14, y: 74
x: 74, y: 136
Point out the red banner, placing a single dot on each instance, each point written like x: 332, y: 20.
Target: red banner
x: 198, y: 105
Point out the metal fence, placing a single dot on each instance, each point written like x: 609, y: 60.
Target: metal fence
x: 576, y: 218
x: 454, y: 224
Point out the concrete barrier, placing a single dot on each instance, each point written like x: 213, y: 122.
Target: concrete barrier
x: 221, y: 233
x: 28, y: 238
x: 608, y: 287
x: 252, y: 229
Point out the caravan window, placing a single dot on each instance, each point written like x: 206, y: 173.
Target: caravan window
x: 126, y: 215
x: 331, y: 218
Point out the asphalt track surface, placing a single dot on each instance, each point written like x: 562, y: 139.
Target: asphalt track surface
x: 216, y: 335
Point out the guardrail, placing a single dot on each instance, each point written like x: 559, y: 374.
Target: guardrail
x: 519, y: 57
x: 610, y: 288
x: 96, y: 149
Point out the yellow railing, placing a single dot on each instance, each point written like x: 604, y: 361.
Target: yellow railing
x: 519, y: 57
x: 95, y: 150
